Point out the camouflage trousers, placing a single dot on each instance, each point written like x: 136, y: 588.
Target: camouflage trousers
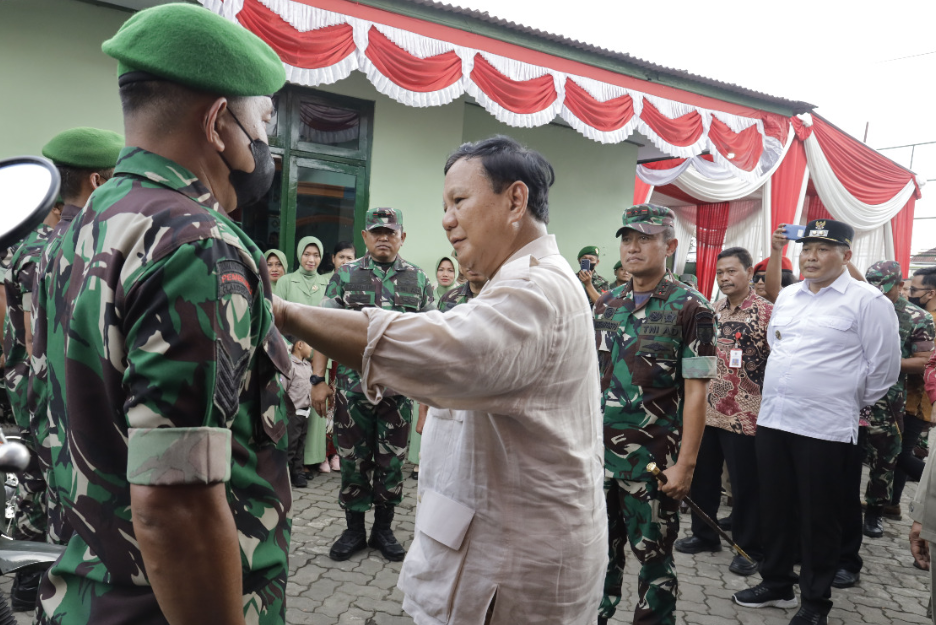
x: 640, y: 514
x: 31, y: 521
x: 882, y: 446
x: 371, y: 442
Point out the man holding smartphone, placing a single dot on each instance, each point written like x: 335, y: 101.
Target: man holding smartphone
x: 594, y: 284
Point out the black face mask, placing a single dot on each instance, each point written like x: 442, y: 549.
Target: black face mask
x: 915, y: 301
x: 251, y: 186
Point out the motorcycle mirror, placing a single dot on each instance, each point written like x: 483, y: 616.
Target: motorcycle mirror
x: 28, y: 186
x: 14, y: 457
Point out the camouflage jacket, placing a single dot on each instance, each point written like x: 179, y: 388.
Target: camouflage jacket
x: 917, y: 332
x: 601, y: 285
x: 918, y: 404
x: 18, y: 282
x: 365, y: 283
x: 652, y: 349
x: 156, y: 309
x: 456, y: 296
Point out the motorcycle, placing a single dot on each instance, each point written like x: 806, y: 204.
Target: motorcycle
x: 29, y: 186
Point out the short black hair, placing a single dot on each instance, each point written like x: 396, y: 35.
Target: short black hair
x: 740, y: 253
x: 929, y: 276
x: 163, y: 101
x: 74, y: 177
x: 506, y: 161
x: 787, y: 278
x: 328, y: 260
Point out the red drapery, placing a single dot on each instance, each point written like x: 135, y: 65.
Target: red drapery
x: 743, y: 148
x: 526, y: 96
x: 711, y: 225
x: 815, y: 209
x: 642, y: 191
x: 411, y: 72
x: 902, y: 225
x: 862, y: 171
x: 681, y: 131
x: 605, y: 116
x: 310, y: 50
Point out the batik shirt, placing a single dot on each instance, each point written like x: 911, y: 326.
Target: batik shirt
x: 918, y: 403
x: 653, y: 348
x: 917, y: 331
x: 365, y: 283
x: 18, y: 282
x: 734, y: 396
x: 155, y: 308
x: 456, y: 296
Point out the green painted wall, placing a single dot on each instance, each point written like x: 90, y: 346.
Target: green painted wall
x: 53, y: 75
x: 594, y: 183
x: 409, y: 150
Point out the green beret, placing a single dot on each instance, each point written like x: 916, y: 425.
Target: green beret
x: 87, y: 148
x: 194, y: 47
x: 588, y: 249
x: 617, y: 265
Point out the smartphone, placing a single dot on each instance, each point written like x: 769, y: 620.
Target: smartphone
x: 586, y: 264
x: 793, y: 232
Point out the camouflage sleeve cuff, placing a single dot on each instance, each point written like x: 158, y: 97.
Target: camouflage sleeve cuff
x: 700, y: 367
x: 178, y: 456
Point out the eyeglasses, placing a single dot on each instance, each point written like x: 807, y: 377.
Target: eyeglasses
x: 759, y: 278
x: 914, y: 289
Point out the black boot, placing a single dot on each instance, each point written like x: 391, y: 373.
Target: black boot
x: 25, y: 590
x: 382, y: 536
x: 873, y: 525
x: 352, y: 539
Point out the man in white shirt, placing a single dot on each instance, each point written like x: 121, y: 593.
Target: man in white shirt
x: 834, y: 349
x: 511, y: 525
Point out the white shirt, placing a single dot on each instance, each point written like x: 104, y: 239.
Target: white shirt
x: 831, y: 353
x: 511, y: 469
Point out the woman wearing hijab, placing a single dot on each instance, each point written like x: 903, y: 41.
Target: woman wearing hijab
x: 306, y: 286
x: 447, y: 275
x: 276, y: 265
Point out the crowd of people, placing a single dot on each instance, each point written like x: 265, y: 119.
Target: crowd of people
x: 175, y: 382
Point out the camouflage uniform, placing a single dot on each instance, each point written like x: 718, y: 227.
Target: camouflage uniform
x: 18, y: 282
x: 601, y: 285
x: 652, y: 348
x: 455, y: 297
x: 57, y: 527
x: 157, y: 304
x: 882, y: 438
x: 371, y: 440
x: 6, y: 409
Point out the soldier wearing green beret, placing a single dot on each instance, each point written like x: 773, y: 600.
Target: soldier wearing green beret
x: 594, y: 284
x: 659, y: 339
x: 371, y: 439
x: 621, y: 275
x: 157, y: 309
x: 85, y: 158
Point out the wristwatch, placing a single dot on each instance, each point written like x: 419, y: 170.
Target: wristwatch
x: 316, y: 380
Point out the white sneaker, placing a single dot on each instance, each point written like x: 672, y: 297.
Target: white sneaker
x: 324, y: 467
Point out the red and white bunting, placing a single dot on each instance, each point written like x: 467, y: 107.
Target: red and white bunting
x: 321, y: 47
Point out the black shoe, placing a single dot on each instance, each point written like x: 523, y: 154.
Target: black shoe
x: 725, y: 523
x: 25, y: 590
x: 693, y: 544
x: 602, y: 620
x: 382, y: 536
x: 742, y: 566
x: 808, y: 616
x: 352, y: 539
x: 845, y: 579
x: 414, y: 475
x: 893, y: 513
x: 873, y: 524
x: 762, y: 597
x: 298, y: 480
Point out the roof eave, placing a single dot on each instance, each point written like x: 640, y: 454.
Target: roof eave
x: 555, y: 45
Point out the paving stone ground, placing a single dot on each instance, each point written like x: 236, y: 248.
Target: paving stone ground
x: 362, y: 591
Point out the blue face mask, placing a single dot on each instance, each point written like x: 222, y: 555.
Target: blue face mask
x: 250, y: 187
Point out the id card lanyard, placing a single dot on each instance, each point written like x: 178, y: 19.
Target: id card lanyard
x: 734, y: 360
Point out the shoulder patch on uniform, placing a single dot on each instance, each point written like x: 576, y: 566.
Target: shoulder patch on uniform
x: 233, y: 278
x: 705, y: 327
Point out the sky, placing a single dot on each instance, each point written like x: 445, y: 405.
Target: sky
x: 858, y: 62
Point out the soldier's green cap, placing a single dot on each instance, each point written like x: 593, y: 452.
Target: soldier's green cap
x: 617, y: 265
x: 192, y: 46
x: 884, y: 274
x: 383, y: 218
x: 588, y: 249
x: 87, y: 148
x: 646, y: 218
